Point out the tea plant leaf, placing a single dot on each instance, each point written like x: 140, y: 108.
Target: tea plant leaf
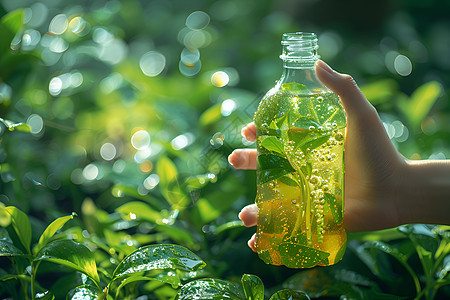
x: 336, y: 210
x: 158, y: 257
x: 334, y: 284
x: 167, y: 171
x: 85, y: 292
x: 272, y: 167
x: 299, y: 256
x: 71, y: 254
x: 51, y: 229
x: 293, y: 88
x: 47, y: 295
x: 140, y: 210
x: 16, y: 126
x: 253, y: 287
x: 417, y: 107
x: 21, y: 225
x: 313, y: 143
x: 210, y: 289
x: 10, y: 25
x: 8, y: 249
x: 273, y: 144
x: 425, y: 241
x: 289, y: 294
x: 170, y: 277
x: 399, y: 256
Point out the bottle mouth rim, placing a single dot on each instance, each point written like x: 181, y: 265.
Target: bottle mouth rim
x: 299, y: 38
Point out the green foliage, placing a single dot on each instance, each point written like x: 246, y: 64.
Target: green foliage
x: 74, y: 91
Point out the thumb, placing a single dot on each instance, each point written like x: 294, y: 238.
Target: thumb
x: 345, y: 87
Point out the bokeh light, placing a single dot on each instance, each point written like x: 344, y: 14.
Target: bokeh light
x: 108, y: 151
x: 152, y: 63
x: 140, y: 139
x: 36, y: 123
x: 197, y: 20
x: 220, y: 79
x: 402, y: 65
x: 151, y: 181
x: 58, y: 24
x: 90, y: 172
x: 227, y: 107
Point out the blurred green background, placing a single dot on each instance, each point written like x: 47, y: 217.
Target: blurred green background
x: 134, y: 106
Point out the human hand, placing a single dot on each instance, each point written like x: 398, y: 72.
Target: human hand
x: 373, y: 167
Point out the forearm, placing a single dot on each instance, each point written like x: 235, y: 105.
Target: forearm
x: 426, y: 192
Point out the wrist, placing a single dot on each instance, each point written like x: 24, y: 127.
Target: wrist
x: 424, y: 192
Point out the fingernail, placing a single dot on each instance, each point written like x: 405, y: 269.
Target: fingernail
x: 324, y: 66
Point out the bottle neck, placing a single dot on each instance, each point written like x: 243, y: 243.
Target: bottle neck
x: 303, y: 72
x: 299, y: 55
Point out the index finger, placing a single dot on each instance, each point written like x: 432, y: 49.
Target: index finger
x: 249, y: 132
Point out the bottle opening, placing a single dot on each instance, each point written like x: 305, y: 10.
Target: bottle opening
x: 300, y: 46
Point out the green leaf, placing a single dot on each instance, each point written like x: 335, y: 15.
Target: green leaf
x: 253, y: 287
x: 417, y: 107
x: 313, y: 142
x: 8, y: 249
x: 140, y: 210
x: 380, y: 91
x: 10, y: 25
x: 51, y: 229
x: 337, y: 209
x: 305, y: 123
x: 168, y: 175
x: 335, y: 283
x: 210, y: 289
x: 85, y: 292
x: 293, y: 88
x: 170, y: 277
x: 271, y: 167
x: 47, y: 295
x: 21, y: 225
x: 273, y: 144
x: 166, y: 170
x: 425, y: 241
x: 368, y: 256
x: 70, y: 254
x: 16, y: 126
x: 289, y: 294
x: 300, y: 256
x: 159, y: 257
x: 211, y: 115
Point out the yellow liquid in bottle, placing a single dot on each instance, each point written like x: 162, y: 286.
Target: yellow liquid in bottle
x: 300, y: 180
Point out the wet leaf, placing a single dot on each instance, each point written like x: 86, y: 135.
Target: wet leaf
x: 293, y: 88
x: 158, y: 257
x: 47, y: 295
x: 8, y: 249
x: 273, y: 144
x: 51, y: 229
x: 337, y: 209
x: 313, y: 142
x: 21, y: 225
x: 253, y: 287
x: 71, y: 254
x: 300, y: 256
x: 289, y: 294
x: 272, y: 167
x: 85, y: 292
x: 210, y: 289
x: 425, y: 241
x: 10, y: 25
x: 15, y: 126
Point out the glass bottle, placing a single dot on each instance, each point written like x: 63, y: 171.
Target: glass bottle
x: 300, y: 127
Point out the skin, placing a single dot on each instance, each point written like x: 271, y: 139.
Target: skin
x: 383, y: 189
